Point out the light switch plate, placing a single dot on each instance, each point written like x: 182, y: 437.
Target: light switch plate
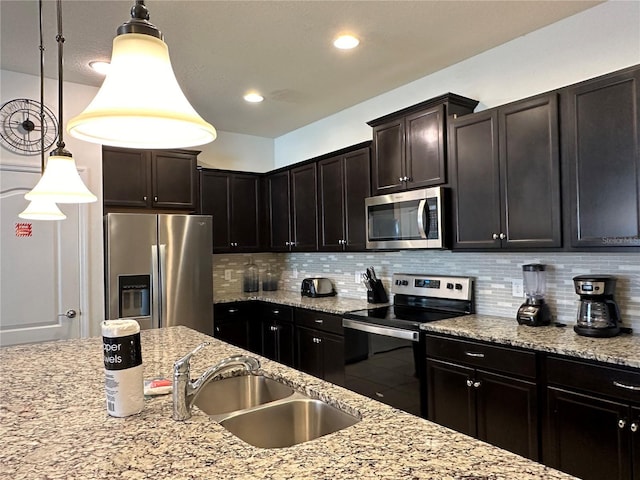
x: 517, y: 288
x: 227, y: 274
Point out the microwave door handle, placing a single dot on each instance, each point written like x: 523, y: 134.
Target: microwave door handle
x: 421, y: 222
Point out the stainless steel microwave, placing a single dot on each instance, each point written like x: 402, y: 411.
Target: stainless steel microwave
x: 412, y: 219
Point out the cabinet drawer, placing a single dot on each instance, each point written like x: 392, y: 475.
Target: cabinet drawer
x: 603, y: 380
x: 500, y: 359
x: 327, y: 322
x: 233, y: 310
x: 275, y: 311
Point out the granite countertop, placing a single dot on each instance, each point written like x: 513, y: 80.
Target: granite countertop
x: 335, y: 304
x: 54, y: 425
x: 621, y: 350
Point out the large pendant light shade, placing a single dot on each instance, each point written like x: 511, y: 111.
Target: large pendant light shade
x: 61, y: 182
x: 140, y: 104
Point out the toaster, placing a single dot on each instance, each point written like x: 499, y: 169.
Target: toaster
x: 317, y: 287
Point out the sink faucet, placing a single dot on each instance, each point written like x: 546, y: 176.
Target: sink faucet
x: 186, y: 390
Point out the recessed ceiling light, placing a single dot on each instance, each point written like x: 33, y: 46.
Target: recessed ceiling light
x: 100, y: 67
x: 346, y: 42
x: 253, y: 97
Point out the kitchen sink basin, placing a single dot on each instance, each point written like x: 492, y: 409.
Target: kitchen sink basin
x: 287, y: 423
x: 240, y: 393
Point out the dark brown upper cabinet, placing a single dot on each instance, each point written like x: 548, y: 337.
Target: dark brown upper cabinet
x: 292, y: 206
x: 149, y: 179
x: 232, y: 199
x: 506, y: 176
x: 343, y: 184
x: 601, y: 160
x: 409, y: 146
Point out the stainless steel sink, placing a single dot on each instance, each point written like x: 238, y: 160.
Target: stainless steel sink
x: 240, y: 393
x: 288, y: 423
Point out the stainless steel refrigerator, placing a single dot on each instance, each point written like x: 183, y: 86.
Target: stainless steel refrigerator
x: 158, y: 269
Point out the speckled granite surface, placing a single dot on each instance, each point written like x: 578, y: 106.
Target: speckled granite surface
x: 621, y: 350
x: 54, y: 425
x: 336, y: 304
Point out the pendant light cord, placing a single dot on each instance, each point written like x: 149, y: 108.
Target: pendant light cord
x: 60, y: 40
x: 41, y: 90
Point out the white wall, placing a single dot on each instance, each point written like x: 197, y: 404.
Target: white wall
x: 602, y: 39
x: 234, y: 151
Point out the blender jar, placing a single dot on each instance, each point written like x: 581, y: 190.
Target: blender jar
x: 534, y: 282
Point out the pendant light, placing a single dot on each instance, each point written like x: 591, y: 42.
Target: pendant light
x: 42, y: 209
x: 61, y: 182
x: 140, y: 104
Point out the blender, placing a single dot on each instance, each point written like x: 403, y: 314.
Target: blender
x: 534, y: 311
x: 598, y: 313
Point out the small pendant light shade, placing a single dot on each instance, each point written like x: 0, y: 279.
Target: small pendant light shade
x: 42, y: 209
x: 61, y: 183
x: 140, y: 104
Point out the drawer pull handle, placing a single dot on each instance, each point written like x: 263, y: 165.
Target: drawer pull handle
x: 622, y: 423
x: 635, y: 388
x: 276, y: 312
x: 474, y: 354
x: 634, y: 427
x: 233, y: 310
x: 319, y: 321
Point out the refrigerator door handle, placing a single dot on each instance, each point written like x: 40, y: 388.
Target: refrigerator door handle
x: 155, y: 288
x: 162, y: 257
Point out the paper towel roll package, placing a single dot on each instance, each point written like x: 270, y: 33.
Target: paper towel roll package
x: 124, y: 383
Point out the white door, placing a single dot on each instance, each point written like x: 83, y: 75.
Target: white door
x: 39, y: 266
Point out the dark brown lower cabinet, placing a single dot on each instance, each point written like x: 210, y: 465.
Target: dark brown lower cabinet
x: 235, y: 323
x: 321, y: 354
x: 277, y: 332
x: 497, y: 409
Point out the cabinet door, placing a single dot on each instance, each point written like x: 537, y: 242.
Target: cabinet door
x: 278, y: 210
x: 388, y: 167
x: 451, y: 402
x: 304, y: 203
x: 357, y: 187
x: 331, y: 205
x: 584, y: 438
x: 530, y: 173
x: 425, y: 152
x: 601, y: 130
x: 332, y: 358
x: 507, y: 413
x: 309, y: 352
x: 234, y: 332
x: 126, y: 177
x: 635, y: 442
x: 277, y: 341
x: 474, y: 153
x: 245, y: 220
x: 174, y: 180
x: 214, y: 201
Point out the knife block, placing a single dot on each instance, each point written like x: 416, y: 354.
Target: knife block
x: 377, y: 294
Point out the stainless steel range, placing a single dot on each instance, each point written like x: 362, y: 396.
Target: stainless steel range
x: 384, y: 356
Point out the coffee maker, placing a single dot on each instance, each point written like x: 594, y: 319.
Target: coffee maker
x: 598, y: 313
x: 534, y: 311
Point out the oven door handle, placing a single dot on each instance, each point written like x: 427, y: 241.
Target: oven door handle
x: 381, y: 330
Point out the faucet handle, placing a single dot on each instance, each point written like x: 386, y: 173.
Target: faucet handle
x: 182, y: 365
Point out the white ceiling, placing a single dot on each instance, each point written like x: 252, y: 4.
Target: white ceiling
x: 220, y: 49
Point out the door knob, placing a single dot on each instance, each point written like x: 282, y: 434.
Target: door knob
x: 69, y: 314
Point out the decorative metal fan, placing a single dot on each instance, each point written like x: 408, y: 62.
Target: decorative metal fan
x: 22, y: 127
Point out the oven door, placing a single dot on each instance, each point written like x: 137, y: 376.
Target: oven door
x: 384, y: 363
x: 405, y: 220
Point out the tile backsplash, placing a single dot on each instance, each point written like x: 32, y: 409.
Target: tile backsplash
x: 493, y: 273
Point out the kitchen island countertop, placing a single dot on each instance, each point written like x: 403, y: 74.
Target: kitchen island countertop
x: 54, y: 425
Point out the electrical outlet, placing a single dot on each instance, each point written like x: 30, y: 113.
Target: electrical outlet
x: 517, y: 288
x: 227, y: 274
x: 294, y: 272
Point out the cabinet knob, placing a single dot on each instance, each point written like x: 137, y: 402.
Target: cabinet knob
x: 634, y: 427
x: 275, y: 312
x: 469, y: 382
x: 155, y: 198
x: 494, y: 236
x: 218, y: 329
x: 144, y: 198
x: 400, y: 179
x: 233, y: 310
x: 287, y: 243
x: 476, y: 384
x: 317, y: 340
x: 622, y: 423
x: 502, y: 236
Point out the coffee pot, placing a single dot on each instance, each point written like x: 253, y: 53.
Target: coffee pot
x: 598, y: 313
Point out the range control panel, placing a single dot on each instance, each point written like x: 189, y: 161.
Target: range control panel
x: 435, y: 286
